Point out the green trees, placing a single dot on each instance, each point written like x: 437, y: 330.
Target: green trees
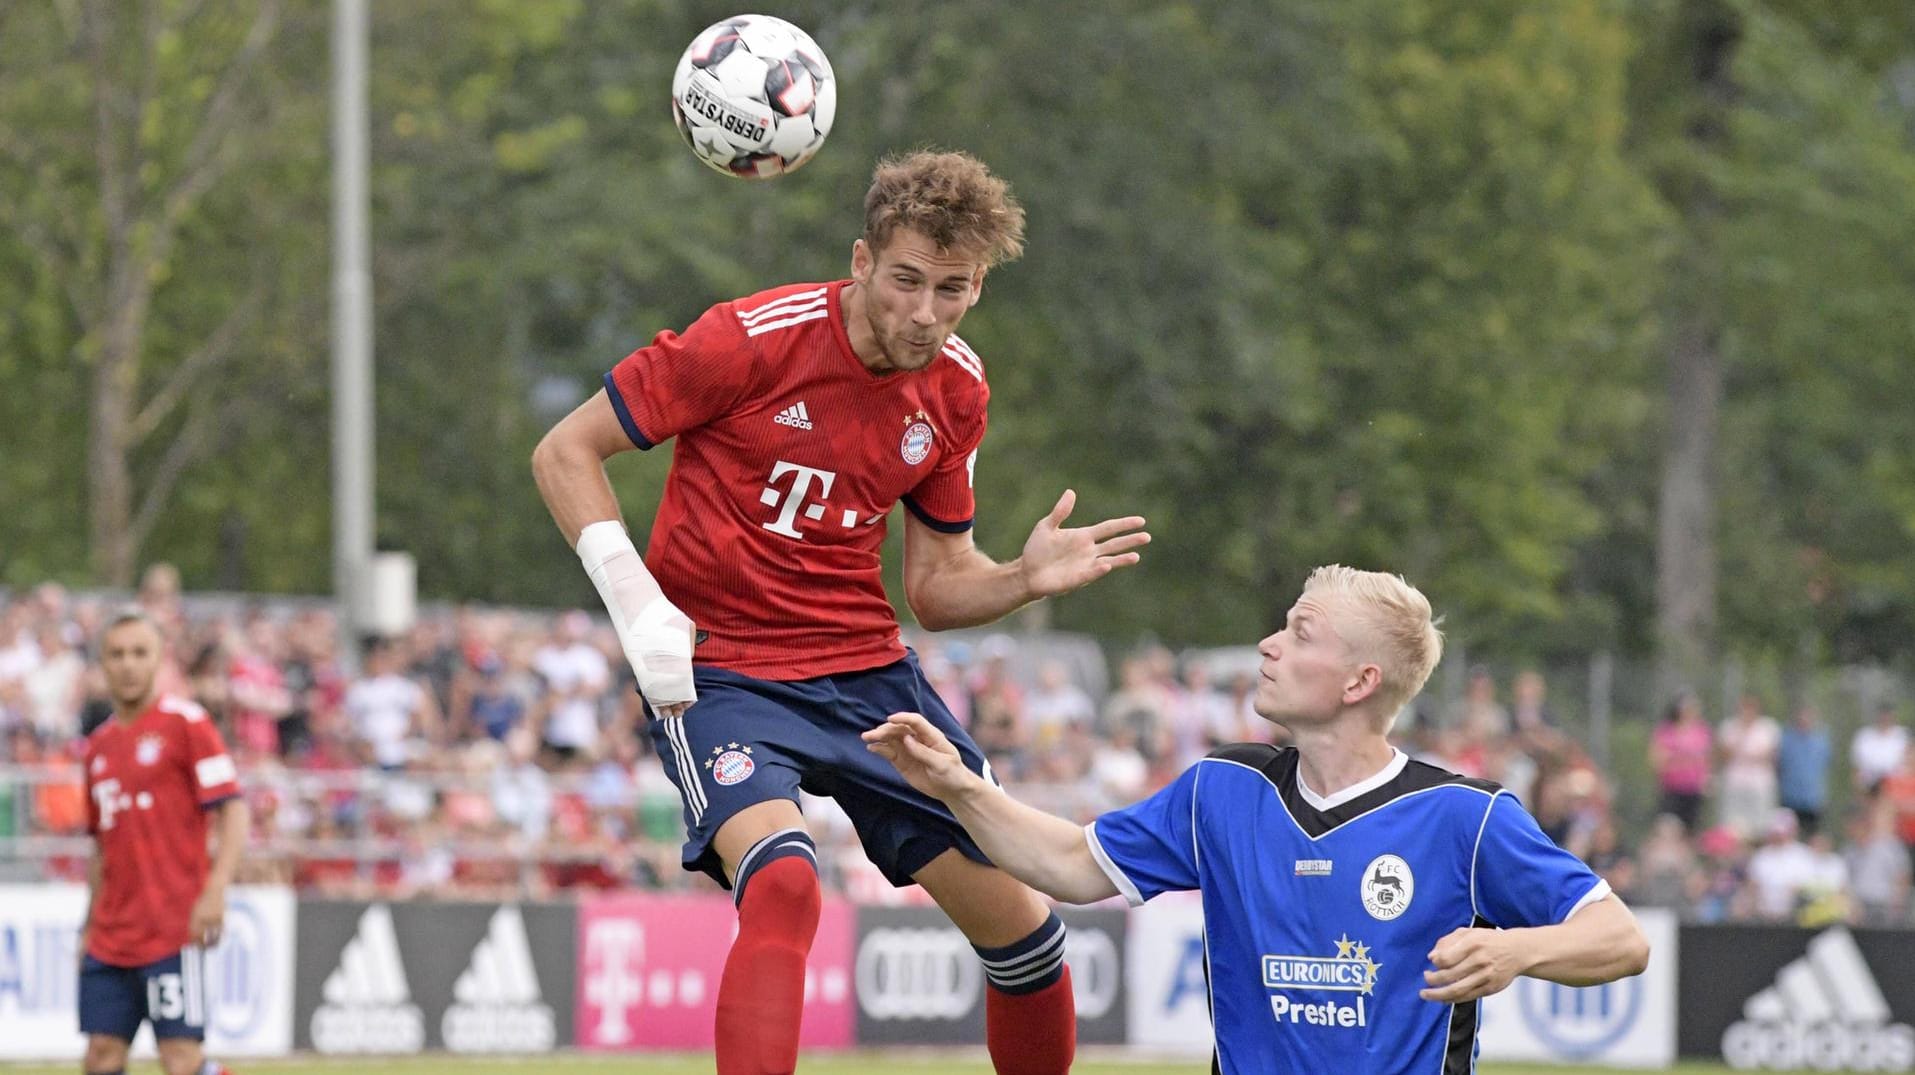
x: 1395, y: 283
x: 152, y: 173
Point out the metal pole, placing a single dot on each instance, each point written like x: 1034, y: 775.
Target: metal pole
x: 352, y: 477
x: 1602, y: 680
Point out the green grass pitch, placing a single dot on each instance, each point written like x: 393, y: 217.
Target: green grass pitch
x: 942, y: 1062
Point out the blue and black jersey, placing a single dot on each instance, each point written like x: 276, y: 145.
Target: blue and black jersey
x: 1320, y: 913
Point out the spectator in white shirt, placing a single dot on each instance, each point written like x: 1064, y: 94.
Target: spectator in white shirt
x: 521, y: 791
x: 1780, y: 868
x: 1117, y: 769
x: 1876, y: 751
x: 53, y: 688
x: 576, y: 676
x: 1879, y: 868
x: 1212, y: 713
x: 388, y: 710
x: 1056, y: 704
x: 1748, y: 744
x: 19, y: 657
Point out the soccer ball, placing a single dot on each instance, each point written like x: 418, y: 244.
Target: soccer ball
x: 754, y: 96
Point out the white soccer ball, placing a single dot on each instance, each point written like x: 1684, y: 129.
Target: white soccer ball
x: 754, y: 96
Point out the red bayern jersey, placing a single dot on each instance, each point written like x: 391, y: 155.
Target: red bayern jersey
x: 149, y: 783
x: 790, y: 457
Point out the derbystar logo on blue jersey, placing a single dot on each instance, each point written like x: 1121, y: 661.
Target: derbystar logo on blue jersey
x: 1351, y: 970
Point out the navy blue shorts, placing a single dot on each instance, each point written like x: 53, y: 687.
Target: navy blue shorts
x: 747, y: 741
x: 171, y: 993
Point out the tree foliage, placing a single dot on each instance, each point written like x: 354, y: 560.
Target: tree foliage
x: 1388, y: 282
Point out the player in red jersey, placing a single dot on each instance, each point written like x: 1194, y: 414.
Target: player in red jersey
x: 155, y: 773
x: 803, y: 415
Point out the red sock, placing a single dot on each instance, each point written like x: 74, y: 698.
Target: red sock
x: 762, y: 994
x: 1032, y: 1033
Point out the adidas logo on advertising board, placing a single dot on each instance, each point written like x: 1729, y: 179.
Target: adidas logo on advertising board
x: 794, y: 416
x: 1825, y: 1011
x: 368, y: 1005
x: 496, y: 1005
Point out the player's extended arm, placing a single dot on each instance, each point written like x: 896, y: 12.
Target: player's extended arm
x: 1601, y: 942
x: 1045, y: 852
x: 949, y: 583
x: 208, y: 916
x: 569, y: 466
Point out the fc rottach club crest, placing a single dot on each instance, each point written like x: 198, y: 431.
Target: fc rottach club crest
x: 1387, y: 887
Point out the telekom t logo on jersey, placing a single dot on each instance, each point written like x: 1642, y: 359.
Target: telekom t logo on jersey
x: 789, y: 503
x: 111, y: 800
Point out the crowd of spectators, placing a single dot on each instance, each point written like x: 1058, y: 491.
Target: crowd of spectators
x: 497, y: 752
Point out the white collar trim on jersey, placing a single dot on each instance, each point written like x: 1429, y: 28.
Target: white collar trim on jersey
x: 1398, y: 760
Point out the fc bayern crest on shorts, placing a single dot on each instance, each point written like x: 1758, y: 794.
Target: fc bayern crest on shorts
x: 917, y: 440
x: 731, y: 764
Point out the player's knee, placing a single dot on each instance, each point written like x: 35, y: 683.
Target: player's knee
x: 105, y: 1056
x: 183, y: 1061
x: 1026, y: 966
x: 781, y: 869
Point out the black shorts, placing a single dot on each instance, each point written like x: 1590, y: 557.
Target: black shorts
x: 170, y: 993
x: 747, y: 741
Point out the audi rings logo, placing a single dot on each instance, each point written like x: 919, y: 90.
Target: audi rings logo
x: 1096, y: 972
x: 239, y: 972
x: 917, y: 974
x: 1580, y: 1022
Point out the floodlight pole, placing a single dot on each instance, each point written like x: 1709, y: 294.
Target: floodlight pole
x: 352, y: 424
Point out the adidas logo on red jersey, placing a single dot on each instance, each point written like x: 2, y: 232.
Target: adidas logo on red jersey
x: 794, y: 416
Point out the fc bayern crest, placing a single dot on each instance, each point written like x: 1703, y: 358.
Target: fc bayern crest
x: 1387, y: 887
x: 731, y: 764
x: 147, y: 751
x: 917, y: 441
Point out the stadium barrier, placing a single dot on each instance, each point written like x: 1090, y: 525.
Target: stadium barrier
x: 918, y: 982
x: 650, y: 964
x: 249, y: 977
x: 1779, y: 997
x: 1628, y: 1023
x: 398, y: 978
x: 639, y: 971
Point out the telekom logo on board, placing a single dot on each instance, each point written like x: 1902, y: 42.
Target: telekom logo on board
x: 649, y: 968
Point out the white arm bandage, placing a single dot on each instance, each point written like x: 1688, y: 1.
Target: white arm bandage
x: 656, y: 636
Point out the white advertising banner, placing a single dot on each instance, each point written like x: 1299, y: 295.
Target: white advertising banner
x: 40, y: 970
x: 248, y: 979
x: 1630, y: 1023
x: 249, y: 975
x: 1164, y: 976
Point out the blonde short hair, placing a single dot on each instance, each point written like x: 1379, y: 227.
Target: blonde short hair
x: 1387, y: 622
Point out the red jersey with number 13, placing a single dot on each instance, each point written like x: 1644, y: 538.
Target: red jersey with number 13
x: 149, y: 783
x: 790, y: 457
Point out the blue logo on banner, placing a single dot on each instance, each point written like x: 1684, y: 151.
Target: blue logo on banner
x: 39, y: 967
x: 1188, y: 981
x: 239, y: 972
x: 1579, y: 1022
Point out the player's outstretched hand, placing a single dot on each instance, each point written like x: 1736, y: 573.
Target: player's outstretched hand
x: 208, y: 918
x: 1471, y: 963
x: 1058, y: 559
x: 923, y: 756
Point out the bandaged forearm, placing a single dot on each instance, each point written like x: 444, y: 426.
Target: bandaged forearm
x: 655, y: 635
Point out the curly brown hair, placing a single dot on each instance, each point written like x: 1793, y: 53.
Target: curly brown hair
x: 951, y: 198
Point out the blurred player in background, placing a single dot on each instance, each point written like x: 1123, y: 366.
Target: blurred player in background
x: 1346, y: 888
x: 156, y: 773
x: 803, y: 415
